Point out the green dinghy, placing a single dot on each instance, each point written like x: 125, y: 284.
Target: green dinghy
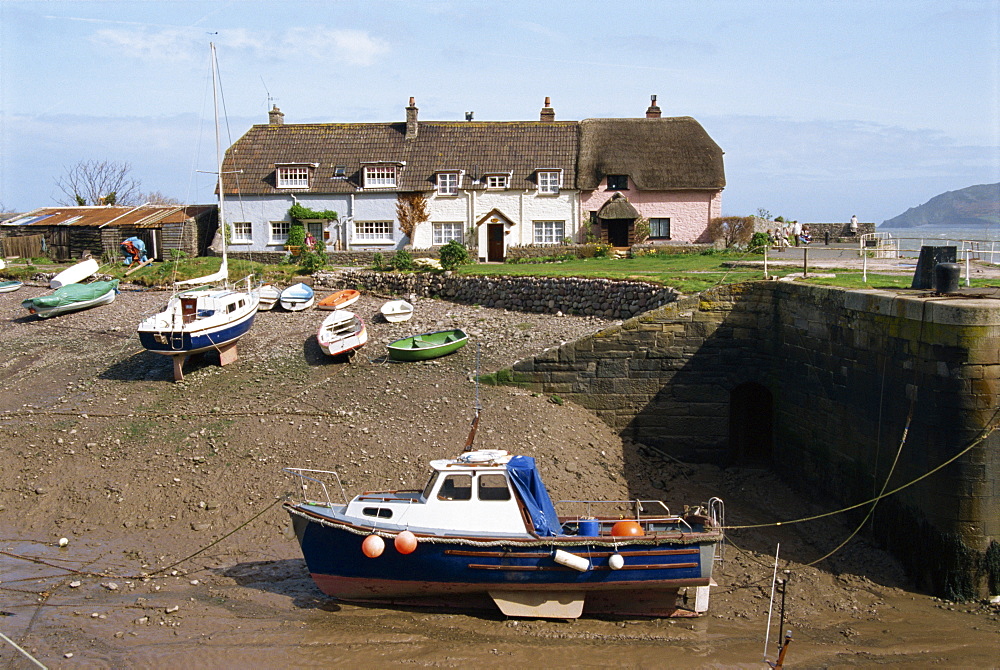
x: 428, y: 345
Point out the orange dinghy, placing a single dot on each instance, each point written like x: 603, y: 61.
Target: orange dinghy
x: 339, y: 300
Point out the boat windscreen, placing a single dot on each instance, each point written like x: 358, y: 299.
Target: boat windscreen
x: 528, y: 483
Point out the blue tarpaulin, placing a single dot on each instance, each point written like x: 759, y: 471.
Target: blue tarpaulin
x: 533, y: 493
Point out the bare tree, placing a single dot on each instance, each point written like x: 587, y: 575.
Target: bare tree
x: 157, y: 198
x: 99, y: 183
x: 732, y: 230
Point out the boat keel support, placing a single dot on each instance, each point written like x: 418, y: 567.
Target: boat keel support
x: 227, y: 354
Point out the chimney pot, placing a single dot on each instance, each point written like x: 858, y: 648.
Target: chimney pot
x: 275, y: 117
x: 653, y: 111
x: 548, y: 114
x: 411, y: 120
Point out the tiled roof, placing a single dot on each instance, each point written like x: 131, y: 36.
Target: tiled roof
x: 519, y: 147
x: 146, y: 216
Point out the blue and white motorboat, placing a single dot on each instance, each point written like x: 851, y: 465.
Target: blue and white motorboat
x: 297, y: 297
x: 483, y: 532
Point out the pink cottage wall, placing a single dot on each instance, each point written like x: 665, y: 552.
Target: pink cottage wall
x: 689, y: 211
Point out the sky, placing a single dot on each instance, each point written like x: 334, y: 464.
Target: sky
x: 824, y: 109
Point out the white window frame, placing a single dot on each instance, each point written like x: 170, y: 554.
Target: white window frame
x: 446, y: 231
x: 549, y: 181
x: 242, y: 233
x: 293, y: 176
x: 497, y: 182
x: 278, y: 232
x: 373, y: 231
x: 381, y: 176
x: 447, y: 183
x: 548, y: 232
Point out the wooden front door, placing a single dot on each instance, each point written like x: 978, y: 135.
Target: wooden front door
x: 59, y: 243
x: 618, y: 232
x: 494, y: 243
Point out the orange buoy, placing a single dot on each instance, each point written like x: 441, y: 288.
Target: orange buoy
x: 405, y: 542
x: 373, y: 546
x: 627, y: 529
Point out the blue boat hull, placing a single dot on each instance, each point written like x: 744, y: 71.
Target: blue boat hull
x: 192, y: 342
x: 438, y: 570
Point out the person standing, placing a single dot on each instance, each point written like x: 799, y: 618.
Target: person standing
x: 854, y: 224
x: 796, y: 231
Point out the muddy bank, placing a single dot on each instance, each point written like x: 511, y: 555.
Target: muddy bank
x: 140, y: 473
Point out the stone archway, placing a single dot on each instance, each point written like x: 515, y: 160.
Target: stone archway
x: 751, y: 425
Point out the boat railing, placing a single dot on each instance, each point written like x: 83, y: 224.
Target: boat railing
x: 717, y: 513
x: 639, y: 510
x: 306, y: 478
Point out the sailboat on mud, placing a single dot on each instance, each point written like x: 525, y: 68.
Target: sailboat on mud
x: 204, y: 318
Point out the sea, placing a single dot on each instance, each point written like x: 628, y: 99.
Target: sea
x: 982, y: 241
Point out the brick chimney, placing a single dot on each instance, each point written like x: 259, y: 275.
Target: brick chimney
x: 411, y: 120
x: 653, y: 111
x: 276, y: 117
x: 548, y: 114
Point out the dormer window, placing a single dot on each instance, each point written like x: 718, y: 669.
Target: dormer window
x: 549, y: 181
x: 381, y: 175
x: 447, y: 183
x: 497, y: 182
x: 617, y: 182
x: 293, y: 175
x: 340, y: 172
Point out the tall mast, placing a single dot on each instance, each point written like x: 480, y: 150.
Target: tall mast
x: 218, y: 155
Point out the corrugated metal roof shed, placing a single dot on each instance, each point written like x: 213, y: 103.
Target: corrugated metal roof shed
x: 143, y: 216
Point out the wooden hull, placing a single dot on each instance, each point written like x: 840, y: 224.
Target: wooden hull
x: 339, y: 300
x: 447, y: 571
x: 427, y: 346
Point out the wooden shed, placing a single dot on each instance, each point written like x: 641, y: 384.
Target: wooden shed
x: 73, y: 232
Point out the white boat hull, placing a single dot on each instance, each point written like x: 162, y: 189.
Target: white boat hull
x: 397, y: 310
x: 74, y: 274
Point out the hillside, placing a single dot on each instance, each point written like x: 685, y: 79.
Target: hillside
x: 965, y: 208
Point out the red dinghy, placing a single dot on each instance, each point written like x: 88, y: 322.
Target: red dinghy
x: 339, y: 300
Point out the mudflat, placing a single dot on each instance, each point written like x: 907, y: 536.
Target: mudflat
x: 179, y: 554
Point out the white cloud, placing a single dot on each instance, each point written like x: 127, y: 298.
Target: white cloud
x: 169, y: 44
x: 355, y: 47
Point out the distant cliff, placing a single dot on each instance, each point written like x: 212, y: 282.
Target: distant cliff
x: 966, y: 208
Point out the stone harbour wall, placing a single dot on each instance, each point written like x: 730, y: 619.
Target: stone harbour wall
x: 843, y: 392
x: 589, y: 297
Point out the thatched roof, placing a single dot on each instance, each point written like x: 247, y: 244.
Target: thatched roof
x: 618, y: 207
x: 657, y: 154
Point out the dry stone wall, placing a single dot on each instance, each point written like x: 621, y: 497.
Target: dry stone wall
x: 589, y: 297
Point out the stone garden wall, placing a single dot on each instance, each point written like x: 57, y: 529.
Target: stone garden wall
x: 590, y: 297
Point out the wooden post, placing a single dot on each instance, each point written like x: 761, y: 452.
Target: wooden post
x: 805, y: 262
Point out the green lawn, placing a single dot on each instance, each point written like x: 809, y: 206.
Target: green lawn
x: 688, y: 273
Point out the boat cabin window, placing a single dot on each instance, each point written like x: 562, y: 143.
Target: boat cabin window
x: 493, y: 487
x: 381, y: 512
x: 456, y: 487
x: 430, y: 486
